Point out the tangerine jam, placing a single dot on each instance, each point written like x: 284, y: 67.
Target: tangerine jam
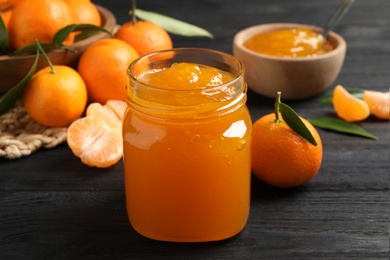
x: 294, y: 42
x: 187, y: 136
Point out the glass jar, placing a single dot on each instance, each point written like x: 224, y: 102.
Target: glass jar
x: 187, y: 152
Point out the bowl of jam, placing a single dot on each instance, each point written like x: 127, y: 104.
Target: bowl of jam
x: 292, y: 58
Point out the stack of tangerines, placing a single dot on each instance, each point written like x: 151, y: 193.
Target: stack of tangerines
x: 57, y: 96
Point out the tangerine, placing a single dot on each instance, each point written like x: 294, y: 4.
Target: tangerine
x: 349, y: 107
x: 14, y: 2
x: 4, y: 5
x: 95, y: 142
x: 144, y: 36
x: 103, y: 67
x: 38, y: 20
x: 280, y: 157
x: 378, y: 103
x: 55, y: 98
x: 84, y: 12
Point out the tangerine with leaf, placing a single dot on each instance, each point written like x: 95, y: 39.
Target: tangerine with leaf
x: 143, y: 35
x: 283, y: 157
x: 38, y: 20
x: 55, y: 96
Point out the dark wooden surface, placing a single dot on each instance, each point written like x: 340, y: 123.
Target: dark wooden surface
x: 54, y: 207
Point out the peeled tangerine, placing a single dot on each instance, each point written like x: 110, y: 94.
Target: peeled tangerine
x: 97, y: 138
x: 349, y: 107
x: 378, y: 102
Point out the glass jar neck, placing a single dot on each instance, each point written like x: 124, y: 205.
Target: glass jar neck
x: 176, y: 102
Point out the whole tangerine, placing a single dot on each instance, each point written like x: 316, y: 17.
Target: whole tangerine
x: 84, y: 12
x: 280, y: 157
x: 144, y: 36
x: 14, y: 2
x: 55, y: 96
x: 103, y: 67
x: 37, y: 20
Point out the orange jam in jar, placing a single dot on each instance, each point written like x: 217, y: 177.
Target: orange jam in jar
x: 294, y: 42
x: 187, y: 136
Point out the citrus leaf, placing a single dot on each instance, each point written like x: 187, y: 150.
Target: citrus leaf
x: 87, y: 30
x: 327, y: 98
x: 339, y: 125
x: 3, y: 36
x: 12, y: 95
x: 62, y: 34
x: 295, y: 123
x: 173, y: 25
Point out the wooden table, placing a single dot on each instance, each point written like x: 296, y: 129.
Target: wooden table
x: 54, y: 207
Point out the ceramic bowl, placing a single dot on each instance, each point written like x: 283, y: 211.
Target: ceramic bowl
x: 14, y: 68
x: 296, y: 78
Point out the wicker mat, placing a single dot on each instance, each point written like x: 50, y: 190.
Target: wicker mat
x: 20, y: 135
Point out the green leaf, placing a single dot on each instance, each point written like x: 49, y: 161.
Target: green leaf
x: 327, y: 98
x: 12, y: 95
x: 295, y: 123
x: 86, y: 30
x: 62, y: 34
x: 3, y: 36
x: 173, y: 25
x: 339, y: 125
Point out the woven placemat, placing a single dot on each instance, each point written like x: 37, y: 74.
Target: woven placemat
x: 21, y: 136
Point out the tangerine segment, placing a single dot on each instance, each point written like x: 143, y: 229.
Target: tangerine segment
x: 96, y: 143
x: 118, y: 107
x: 378, y: 102
x: 97, y: 110
x: 349, y: 107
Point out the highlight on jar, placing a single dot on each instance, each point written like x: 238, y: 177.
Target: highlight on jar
x: 187, y: 135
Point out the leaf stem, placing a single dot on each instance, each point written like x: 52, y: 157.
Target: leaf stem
x: 53, y: 71
x: 277, y: 102
x: 133, y: 17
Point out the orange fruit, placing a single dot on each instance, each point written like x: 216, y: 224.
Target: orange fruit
x: 14, y: 2
x: 378, y: 103
x: 349, y: 107
x: 55, y: 99
x: 144, y: 36
x: 38, y: 19
x: 103, y: 67
x: 280, y: 157
x: 84, y: 12
x: 95, y: 142
x: 4, y: 4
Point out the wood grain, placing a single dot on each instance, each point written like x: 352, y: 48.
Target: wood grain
x: 54, y: 207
